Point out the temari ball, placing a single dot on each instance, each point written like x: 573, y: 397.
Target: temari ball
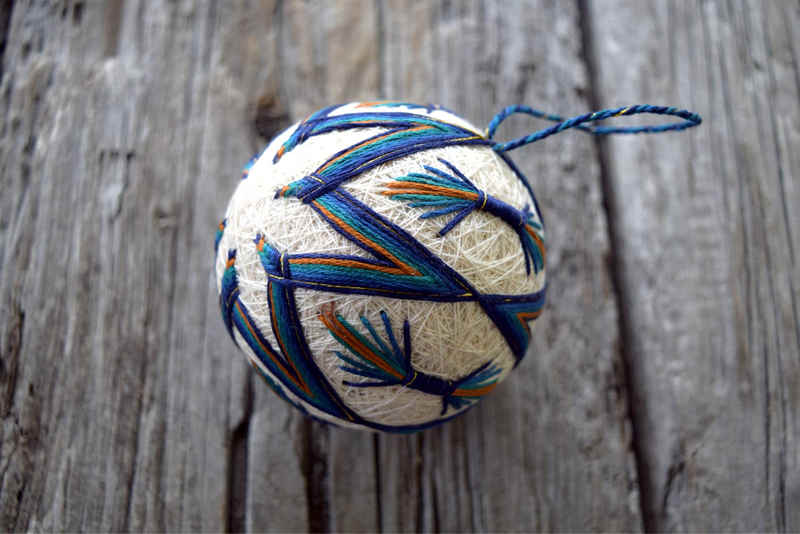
x: 381, y: 264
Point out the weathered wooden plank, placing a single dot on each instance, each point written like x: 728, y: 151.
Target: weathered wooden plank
x: 119, y: 393
x: 707, y: 241
x: 550, y: 449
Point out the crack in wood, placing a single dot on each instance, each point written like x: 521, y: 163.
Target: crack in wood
x: 24, y: 439
x: 314, y: 464
x: 435, y: 504
x: 238, y: 465
x: 675, y: 474
x: 6, y: 8
x: 420, y: 474
x: 376, y: 451
x: 77, y: 13
x: 270, y: 116
x: 9, y: 358
x: 636, y: 412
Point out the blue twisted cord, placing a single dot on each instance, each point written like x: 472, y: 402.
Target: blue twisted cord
x: 690, y: 119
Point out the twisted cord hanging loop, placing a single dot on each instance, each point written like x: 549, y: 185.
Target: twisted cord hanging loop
x: 690, y: 119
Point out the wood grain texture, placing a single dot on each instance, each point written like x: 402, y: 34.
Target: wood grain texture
x: 125, y: 406
x: 707, y: 241
x: 120, y: 395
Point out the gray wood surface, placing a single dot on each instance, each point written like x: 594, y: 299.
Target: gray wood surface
x: 706, y: 237
x: 662, y: 387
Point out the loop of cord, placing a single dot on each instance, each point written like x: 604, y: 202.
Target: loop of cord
x: 690, y: 119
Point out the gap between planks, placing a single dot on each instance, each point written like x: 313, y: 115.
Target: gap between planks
x: 634, y: 397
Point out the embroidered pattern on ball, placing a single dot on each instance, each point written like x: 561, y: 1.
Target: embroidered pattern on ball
x: 455, y: 193
x: 389, y: 365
